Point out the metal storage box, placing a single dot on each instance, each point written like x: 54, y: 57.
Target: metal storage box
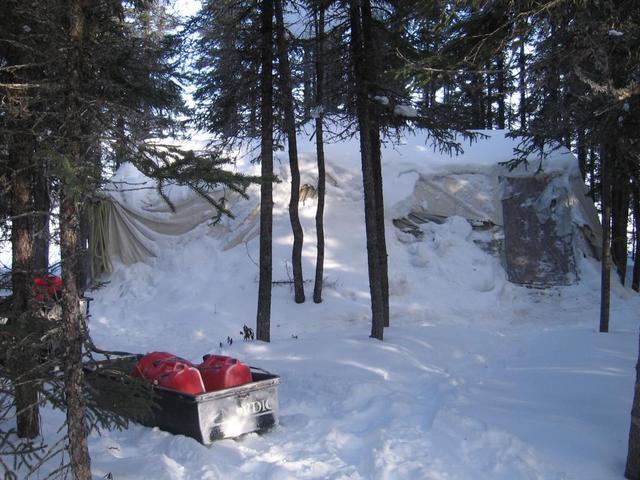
x: 228, y: 413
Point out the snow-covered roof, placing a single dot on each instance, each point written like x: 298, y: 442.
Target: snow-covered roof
x: 486, y: 153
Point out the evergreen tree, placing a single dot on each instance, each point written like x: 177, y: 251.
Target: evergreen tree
x: 360, y: 18
x: 290, y: 130
x: 263, y: 322
x: 319, y: 28
x: 76, y: 80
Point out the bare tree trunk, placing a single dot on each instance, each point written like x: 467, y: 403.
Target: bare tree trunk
x: 317, y: 288
x: 72, y: 319
x: 635, y: 282
x: 372, y: 75
x: 477, y: 101
x: 42, y: 203
x: 582, y: 154
x: 632, y: 470
x: 489, y: 109
x: 120, y: 152
x: 290, y: 128
x: 263, y: 327
x: 368, y: 176
x: 26, y: 388
x: 605, y: 290
x: 620, y: 220
x: 73, y: 328
x: 522, y: 85
x: 92, y: 153
x: 500, y: 86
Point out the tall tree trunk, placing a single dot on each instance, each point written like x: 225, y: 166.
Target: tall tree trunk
x: 605, y: 290
x: 376, y: 155
x: 120, y: 152
x: 26, y: 388
x: 317, y: 288
x: 368, y: 177
x: 93, y: 154
x: 501, y: 90
x: 489, y: 109
x: 522, y: 85
x: 72, y: 319
x: 620, y: 220
x: 263, y: 327
x: 632, y: 470
x: 42, y: 204
x: 582, y: 153
x: 477, y: 100
x: 592, y: 172
x: 290, y: 128
x: 382, y: 241
x: 307, y: 84
x: 73, y: 328
x: 635, y: 282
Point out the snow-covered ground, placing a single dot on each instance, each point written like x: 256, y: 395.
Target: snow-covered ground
x: 476, y: 379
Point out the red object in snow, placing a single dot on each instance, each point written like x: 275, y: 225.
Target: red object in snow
x: 219, y: 372
x: 153, y: 364
x: 46, y: 287
x: 168, y: 371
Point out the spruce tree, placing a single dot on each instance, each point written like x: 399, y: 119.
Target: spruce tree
x: 319, y: 28
x: 290, y: 130
x: 263, y: 321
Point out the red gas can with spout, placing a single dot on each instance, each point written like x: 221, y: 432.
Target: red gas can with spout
x: 46, y: 287
x: 168, y: 371
x: 219, y: 372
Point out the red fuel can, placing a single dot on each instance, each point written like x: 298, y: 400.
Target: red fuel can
x: 183, y: 378
x: 219, y: 372
x: 153, y: 364
x: 168, y: 371
x: 46, y: 287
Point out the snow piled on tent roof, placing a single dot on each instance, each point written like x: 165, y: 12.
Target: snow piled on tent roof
x: 415, y: 151
x: 485, y: 153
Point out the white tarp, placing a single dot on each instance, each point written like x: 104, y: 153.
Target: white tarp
x: 132, y: 220
x: 478, y: 197
x: 474, y: 196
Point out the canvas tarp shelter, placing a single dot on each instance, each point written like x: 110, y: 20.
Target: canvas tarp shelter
x: 544, y: 217
x: 130, y: 221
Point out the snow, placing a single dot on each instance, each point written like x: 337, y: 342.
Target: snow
x: 476, y: 379
x: 382, y: 100
x: 316, y: 112
x: 405, y: 111
x: 615, y: 33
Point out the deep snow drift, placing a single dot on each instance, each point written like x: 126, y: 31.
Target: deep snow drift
x: 477, y: 378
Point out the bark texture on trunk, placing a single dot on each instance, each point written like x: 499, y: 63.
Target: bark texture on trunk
x: 522, y: 86
x: 368, y: 176
x: 263, y: 323
x: 582, y: 153
x: 42, y: 204
x: 619, y: 221
x: 284, y: 71
x: 605, y: 289
x: 321, y: 187
x: 70, y: 234
x: 73, y: 332
x: 25, y: 386
x: 501, y: 90
x: 376, y: 155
